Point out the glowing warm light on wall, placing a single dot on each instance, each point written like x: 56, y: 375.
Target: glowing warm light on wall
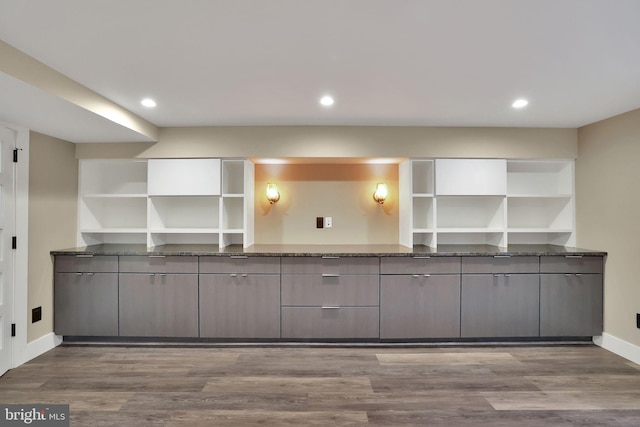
x: 381, y: 192
x: 272, y: 193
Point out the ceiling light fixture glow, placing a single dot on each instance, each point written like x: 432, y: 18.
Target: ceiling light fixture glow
x: 519, y: 103
x: 148, y: 102
x: 327, y: 101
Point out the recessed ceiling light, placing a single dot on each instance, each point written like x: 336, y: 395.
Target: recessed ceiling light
x: 519, y: 103
x: 148, y: 102
x: 327, y: 101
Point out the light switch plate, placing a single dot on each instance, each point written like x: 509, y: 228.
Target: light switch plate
x: 328, y: 222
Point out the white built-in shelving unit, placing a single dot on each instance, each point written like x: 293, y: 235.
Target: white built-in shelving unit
x: 486, y: 201
x: 166, y: 201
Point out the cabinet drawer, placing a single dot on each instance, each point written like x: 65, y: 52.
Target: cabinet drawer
x: 420, y: 264
x: 158, y: 264
x: 330, y: 265
x: 86, y: 264
x: 571, y: 264
x: 501, y: 264
x: 333, y: 290
x: 239, y: 264
x: 330, y: 323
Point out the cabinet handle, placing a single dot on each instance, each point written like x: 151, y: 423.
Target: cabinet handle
x: 330, y: 275
x: 330, y: 257
x: 421, y: 257
x: 244, y: 275
x: 150, y: 274
x: 84, y: 256
x: 90, y: 274
x: 502, y: 256
x: 426, y: 275
x: 567, y: 274
x: 233, y: 275
x: 507, y: 275
x: 78, y: 274
x: 578, y: 274
x: 238, y: 257
x: 157, y: 256
x: 162, y: 274
x: 416, y: 275
x: 573, y: 256
x: 330, y: 307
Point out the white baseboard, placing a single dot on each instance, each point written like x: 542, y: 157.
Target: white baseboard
x: 620, y: 347
x: 40, y: 346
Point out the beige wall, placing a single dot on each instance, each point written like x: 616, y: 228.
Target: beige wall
x: 53, y: 201
x: 346, y: 141
x: 341, y: 191
x: 608, y: 213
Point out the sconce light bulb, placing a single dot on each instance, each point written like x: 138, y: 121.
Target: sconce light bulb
x: 272, y: 193
x: 381, y: 193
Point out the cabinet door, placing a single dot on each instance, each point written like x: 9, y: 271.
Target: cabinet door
x: 419, y: 307
x: 500, y: 305
x: 159, y: 305
x: 471, y: 177
x: 330, y: 322
x: 570, y: 305
x: 239, y: 306
x: 184, y: 177
x: 86, y: 304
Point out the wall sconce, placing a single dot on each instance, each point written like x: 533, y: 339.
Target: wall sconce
x: 381, y: 192
x: 272, y: 193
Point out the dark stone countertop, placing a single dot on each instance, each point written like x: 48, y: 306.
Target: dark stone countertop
x: 329, y: 250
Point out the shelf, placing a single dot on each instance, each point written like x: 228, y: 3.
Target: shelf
x: 540, y: 213
x: 114, y: 196
x: 184, y: 231
x: 470, y: 212
x: 232, y: 214
x: 113, y: 230
x: 422, y: 213
x: 233, y: 177
x: 184, y: 212
x: 113, y: 213
x: 422, y: 176
x: 471, y: 237
x: 540, y: 177
x: 113, y: 177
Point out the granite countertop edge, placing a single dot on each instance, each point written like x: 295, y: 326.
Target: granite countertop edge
x: 328, y: 250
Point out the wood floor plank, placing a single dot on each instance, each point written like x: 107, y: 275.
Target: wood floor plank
x: 564, y: 400
x: 267, y: 418
x: 475, y: 358
x: 295, y: 385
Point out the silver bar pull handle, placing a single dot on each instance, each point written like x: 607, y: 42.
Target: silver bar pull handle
x: 84, y: 256
x: 421, y: 257
x: 233, y: 275
x: 416, y: 275
x: 573, y: 256
x: 78, y: 274
x: 330, y: 257
x: 238, y: 257
x: 330, y: 307
x: 157, y: 256
x: 90, y: 274
x: 426, y: 275
x: 162, y: 274
x: 244, y: 275
x: 502, y: 256
x: 330, y: 275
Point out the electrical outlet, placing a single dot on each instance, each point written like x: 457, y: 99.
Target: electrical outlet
x: 319, y: 222
x: 328, y: 222
x: 36, y: 314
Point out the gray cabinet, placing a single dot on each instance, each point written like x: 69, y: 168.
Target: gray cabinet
x: 158, y: 296
x: 86, y: 295
x: 499, y: 305
x: 500, y: 296
x: 571, y: 296
x: 239, y: 297
x: 419, y: 306
x: 419, y: 297
x: 330, y: 297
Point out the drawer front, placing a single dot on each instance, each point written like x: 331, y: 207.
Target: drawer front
x: 501, y: 264
x: 571, y: 264
x: 158, y: 264
x: 240, y: 264
x: 330, y: 290
x: 338, y: 323
x: 86, y: 264
x: 330, y: 265
x: 418, y: 264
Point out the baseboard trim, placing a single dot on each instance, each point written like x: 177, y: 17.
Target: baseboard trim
x: 40, y: 346
x: 618, y: 346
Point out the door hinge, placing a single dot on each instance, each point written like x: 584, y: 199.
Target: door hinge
x: 14, y: 242
x: 13, y: 329
x: 15, y: 155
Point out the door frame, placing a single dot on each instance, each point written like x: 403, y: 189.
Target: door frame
x: 19, y: 287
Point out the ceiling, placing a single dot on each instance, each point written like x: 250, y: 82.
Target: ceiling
x: 386, y: 62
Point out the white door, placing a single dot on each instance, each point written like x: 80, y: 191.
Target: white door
x: 7, y: 213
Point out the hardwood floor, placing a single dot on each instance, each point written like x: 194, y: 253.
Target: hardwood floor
x: 508, y: 386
